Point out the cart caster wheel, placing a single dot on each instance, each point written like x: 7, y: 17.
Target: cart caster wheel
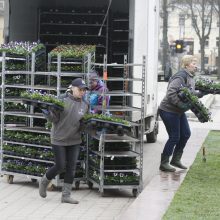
x: 33, y: 180
x: 77, y: 183
x: 135, y: 192
x: 90, y: 184
x: 10, y: 179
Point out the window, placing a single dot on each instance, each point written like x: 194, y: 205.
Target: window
x: 207, y: 42
x: 2, y: 6
x: 206, y: 60
x: 207, y: 21
x: 194, y: 20
x: 181, y: 20
x: 217, y: 24
x: 217, y: 41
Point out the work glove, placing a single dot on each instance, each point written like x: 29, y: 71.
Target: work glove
x: 45, y: 111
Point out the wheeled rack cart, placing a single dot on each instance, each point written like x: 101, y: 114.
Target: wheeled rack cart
x: 19, y: 154
x: 62, y: 77
x: 115, y: 159
x: 25, y: 147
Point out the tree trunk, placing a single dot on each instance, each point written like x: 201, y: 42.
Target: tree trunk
x: 165, y: 40
x: 202, y: 48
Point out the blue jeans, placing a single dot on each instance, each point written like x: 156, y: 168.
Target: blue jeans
x: 178, y: 130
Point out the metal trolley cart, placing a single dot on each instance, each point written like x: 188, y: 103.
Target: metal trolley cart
x: 67, y: 69
x: 25, y: 147
x: 18, y: 157
x: 115, y: 151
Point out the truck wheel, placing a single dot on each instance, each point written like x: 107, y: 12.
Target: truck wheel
x: 152, y: 136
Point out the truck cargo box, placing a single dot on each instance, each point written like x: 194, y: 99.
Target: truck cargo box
x: 115, y: 27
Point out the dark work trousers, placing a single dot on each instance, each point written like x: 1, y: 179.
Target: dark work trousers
x: 178, y: 130
x: 65, y: 161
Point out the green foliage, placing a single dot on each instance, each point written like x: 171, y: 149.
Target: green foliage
x: 27, y: 137
x: 25, y: 166
x: 197, y: 106
x: 198, y: 195
x: 21, y: 48
x: 48, y: 125
x: 44, y: 97
x: 10, y: 106
x: 67, y: 68
x: 207, y: 85
x: 72, y: 51
x: 116, y: 178
x: 106, y: 118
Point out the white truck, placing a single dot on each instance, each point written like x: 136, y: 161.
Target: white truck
x: 116, y: 27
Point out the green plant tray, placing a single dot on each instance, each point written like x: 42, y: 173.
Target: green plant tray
x: 42, y: 105
x: 110, y: 183
x: 109, y: 122
x: 194, y: 108
x: 208, y: 90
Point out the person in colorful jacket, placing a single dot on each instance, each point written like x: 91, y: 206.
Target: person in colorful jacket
x: 66, y: 139
x: 97, y: 92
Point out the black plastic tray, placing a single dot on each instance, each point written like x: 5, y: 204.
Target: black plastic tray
x: 110, y: 122
x: 41, y: 104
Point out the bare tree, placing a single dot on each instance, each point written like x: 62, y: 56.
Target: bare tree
x: 166, y: 52
x: 201, y: 13
x: 217, y: 9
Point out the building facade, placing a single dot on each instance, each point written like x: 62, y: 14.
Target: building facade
x: 1, y: 20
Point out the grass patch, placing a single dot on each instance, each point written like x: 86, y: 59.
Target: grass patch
x: 199, y: 195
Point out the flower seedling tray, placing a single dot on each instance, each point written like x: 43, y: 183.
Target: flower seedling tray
x: 41, y: 104
x: 197, y: 106
x: 208, y: 90
x: 207, y: 86
x: 109, y: 122
x: 72, y: 51
x: 95, y: 124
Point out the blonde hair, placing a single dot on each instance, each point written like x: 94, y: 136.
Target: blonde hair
x: 186, y: 60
